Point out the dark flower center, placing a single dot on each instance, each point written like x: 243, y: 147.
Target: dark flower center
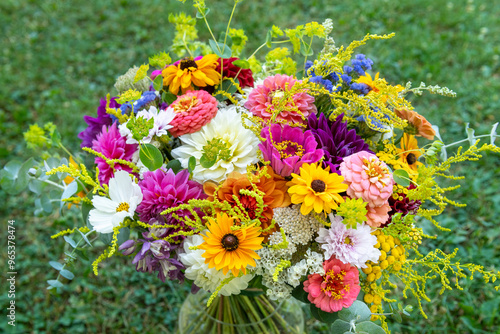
x: 230, y: 242
x: 187, y: 63
x: 318, y: 186
x: 411, y: 159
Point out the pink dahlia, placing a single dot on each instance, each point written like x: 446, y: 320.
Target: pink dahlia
x: 113, y: 146
x: 192, y: 110
x: 367, y: 177
x: 378, y: 216
x: 338, y: 288
x: 165, y: 189
x: 296, y: 111
x: 287, y: 148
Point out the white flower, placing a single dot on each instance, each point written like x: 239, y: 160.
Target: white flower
x: 125, y: 195
x: 208, y: 278
x: 354, y: 246
x: 162, y: 119
x: 236, y: 147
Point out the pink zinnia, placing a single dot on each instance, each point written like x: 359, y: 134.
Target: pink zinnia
x: 113, y: 146
x: 162, y: 190
x: 338, y: 288
x: 192, y: 110
x: 287, y: 148
x: 376, y: 217
x: 260, y: 101
x: 368, y: 178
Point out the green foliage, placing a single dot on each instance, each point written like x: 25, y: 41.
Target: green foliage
x: 151, y: 157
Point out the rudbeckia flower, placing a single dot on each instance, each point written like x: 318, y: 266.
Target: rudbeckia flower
x: 188, y: 71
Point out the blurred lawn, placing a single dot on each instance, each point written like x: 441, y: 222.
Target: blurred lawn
x: 59, y: 57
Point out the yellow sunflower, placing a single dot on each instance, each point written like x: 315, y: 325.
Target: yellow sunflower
x: 316, y: 188
x: 409, y: 152
x: 189, y: 71
x: 229, y: 249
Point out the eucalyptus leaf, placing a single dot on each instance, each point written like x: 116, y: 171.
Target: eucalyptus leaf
x: 45, y: 203
x: 67, y: 274
x: 220, y: 49
x: 323, y: 316
x: 86, y: 209
x: 470, y: 134
x: 174, y: 165
x: 70, y: 241
x: 106, y: 238
x: 358, y: 312
x: 299, y: 293
x: 340, y: 326
x: 84, y: 237
x: 444, y: 154
x: 55, y: 283
x: 401, y: 177
x: 493, y: 134
x: 123, y: 235
x: 369, y: 327
x: 35, y: 186
x: 200, y: 15
x: 69, y: 191
x: 151, y: 157
x: 56, y: 265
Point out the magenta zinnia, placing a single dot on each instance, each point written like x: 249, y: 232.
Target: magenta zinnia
x: 113, y: 146
x: 287, y: 148
x: 336, y: 289
x: 296, y: 111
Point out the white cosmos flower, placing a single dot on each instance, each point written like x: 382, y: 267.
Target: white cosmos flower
x: 162, y: 119
x: 125, y: 195
x: 209, y: 278
x: 354, y: 246
x: 238, y: 147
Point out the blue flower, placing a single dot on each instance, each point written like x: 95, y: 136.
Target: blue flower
x: 360, y: 64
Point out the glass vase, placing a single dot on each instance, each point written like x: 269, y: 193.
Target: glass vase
x: 250, y: 312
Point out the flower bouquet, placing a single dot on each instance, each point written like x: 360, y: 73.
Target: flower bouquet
x: 262, y: 181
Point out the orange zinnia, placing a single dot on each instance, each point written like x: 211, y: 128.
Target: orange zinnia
x: 229, y: 249
x: 189, y: 71
x: 420, y: 125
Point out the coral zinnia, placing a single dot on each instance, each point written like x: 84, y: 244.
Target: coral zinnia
x: 287, y: 148
x: 368, y: 178
x: 417, y: 123
x: 262, y: 100
x: 229, y: 249
x: 338, y: 288
x: 192, y: 110
x: 316, y: 188
x: 189, y: 71
x: 113, y: 146
x: 335, y: 140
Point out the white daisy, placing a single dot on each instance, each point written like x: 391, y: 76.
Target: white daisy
x: 208, y: 278
x: 125, y: 195
x: 162, y: 119
x: 225, y: 134
x: 354, y: 246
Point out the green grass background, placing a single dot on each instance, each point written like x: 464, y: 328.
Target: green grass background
x: 57, y: 58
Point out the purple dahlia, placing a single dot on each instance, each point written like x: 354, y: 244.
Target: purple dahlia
x: 95, y: 123
x: 113, y: 146
x: 335, y: 140
x: 163, y: 190
x: 287, y: 148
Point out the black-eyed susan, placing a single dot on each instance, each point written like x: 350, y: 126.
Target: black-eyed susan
x: 229, y: 249
x: 409, y: 153
x: 188, y: 71
x: 316, y: 188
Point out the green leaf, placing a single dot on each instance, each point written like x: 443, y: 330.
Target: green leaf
x: 56, y: 265
x: 86, y: 209
x: 56, y: 138
x: 169, y: 97
x: 55, y: 283
x: 220, y: 49
x: 358, y: 311
x: 191, y: 164
x: 106, y: 238
x: 174, y: 165
x: 493, y: 133
x: 306, y: 49
x: 84, y: 237
x: 151, y: 157
x: 201, y: 15
x: 158, y: 83
x: 401, y: 177
x: 15, y: 177
x: 369, y: 327
x: 123, y: 235
x: 299, y: 293
x: 251, y: 293
x: 45, y: 203
x: 70, y: 241
x: 242, y: 63
x: 67, y: 274
x: 206, y: 163
x: 444, y: 154
x: 340, y: 326
x: 35, y: 186
x: 470, y: 134
x: 269, y: 37
x: 69, y: 191
x: 322, y: 315
x: 227, y: 39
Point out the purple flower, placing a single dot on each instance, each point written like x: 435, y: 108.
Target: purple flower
x: 164, y: 189
x: 113, y: 146
x: 95, y: 123
x: 335, y: 140
x: 287, y: 148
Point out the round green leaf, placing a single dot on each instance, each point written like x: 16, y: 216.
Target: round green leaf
x: 401, y: 177
x: 242, y: 63
x: 174, y: 165
x: 67, y: 274
x: 358, y: 311
x: 369, y: 327
x: 322, y: 315
x: 299, y: 293
x: 151, y: 157
x: 340, y: 326
x: 56, y: 265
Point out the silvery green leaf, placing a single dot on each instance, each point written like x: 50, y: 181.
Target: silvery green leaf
x: 470, y: 134
x: 444, y: 155
x: 56, y: 265
x: 493, y: 133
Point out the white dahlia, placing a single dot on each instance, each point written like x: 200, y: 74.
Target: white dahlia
x: 224, y: 141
